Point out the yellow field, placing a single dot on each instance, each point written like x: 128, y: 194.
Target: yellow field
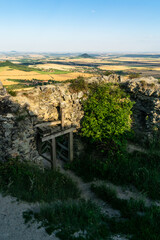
x: 7, y: 73
x: 55, y: 66
x: 123, y: 67
x: 156, y: 69
x: 113, y: 67
x: 126, y: 59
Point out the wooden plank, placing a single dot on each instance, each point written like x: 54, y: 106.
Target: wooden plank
x: 45, y: 124
x: 62, y: 118
x: 62, y: 156
x: 54, y: 135
x: 53, y: 153
x: 71, y: 146
x: 62, y: 146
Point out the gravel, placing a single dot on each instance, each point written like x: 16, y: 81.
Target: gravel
x: 12, y: 226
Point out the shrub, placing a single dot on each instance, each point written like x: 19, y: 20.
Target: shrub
x: 107, y: 114
x: 134, y: 75
x: 12, y: 93
x: 78, y: 85
x: 107, y: 73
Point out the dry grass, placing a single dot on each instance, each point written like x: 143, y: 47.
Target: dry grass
x: 113, y: 67
x: 126, y: 59
x: 55, y: 66
x: 7, y: 73
x: 156, y: 69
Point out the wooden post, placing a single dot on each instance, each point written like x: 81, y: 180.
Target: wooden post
x: 53, y: 153
x: 62, y: 118
x: 71, y: 146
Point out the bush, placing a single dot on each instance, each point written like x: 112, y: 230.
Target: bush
x: 12, y: 93
x: 107, y: 73
x: 134, y: 75
x: 78, y: 85
x: 107, y: 114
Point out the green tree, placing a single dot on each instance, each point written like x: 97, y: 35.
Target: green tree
x: 107, y: 113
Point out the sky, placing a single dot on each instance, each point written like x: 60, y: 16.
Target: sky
x: 80, y: 25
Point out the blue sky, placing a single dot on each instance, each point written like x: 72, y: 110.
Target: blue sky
x: 80, y: 26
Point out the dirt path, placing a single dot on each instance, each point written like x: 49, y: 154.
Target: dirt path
x: 87, y: 194
x: 12, y: 225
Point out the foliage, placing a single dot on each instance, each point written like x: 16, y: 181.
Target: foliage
x: 134, y: 75
x: 78, y: 84
x: 140, y: 169
x: 81, y: 218
x: 137, y: 220
x: 28, y: 182
x: 107, y: 113
x: 12, y: 93
x: 128, y: 208
x: 107, y: 73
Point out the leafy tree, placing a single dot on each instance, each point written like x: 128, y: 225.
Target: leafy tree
x: 107, y: 113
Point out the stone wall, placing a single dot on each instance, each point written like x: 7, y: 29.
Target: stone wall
x: 145, y: 92
x: 20, y: 114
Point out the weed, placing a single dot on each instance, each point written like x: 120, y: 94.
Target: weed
x: 128, y: 208
x: 138, y: 221
x: 138, y: 169
x: 72, y: 220
x: 28, y: 182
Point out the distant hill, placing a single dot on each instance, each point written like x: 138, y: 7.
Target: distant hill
x: 85, y: 55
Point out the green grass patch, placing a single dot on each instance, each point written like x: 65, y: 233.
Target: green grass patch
x: 30, y: 183
x: 128, y: 208
x: 74, y: 219
x: 138, y: 221
x: 53, y: 71
x: 22, y: 67
x: 138, y: 169
x: 13, y: 87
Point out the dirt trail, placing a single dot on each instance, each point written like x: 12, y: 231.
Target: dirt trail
x: 87, y: 194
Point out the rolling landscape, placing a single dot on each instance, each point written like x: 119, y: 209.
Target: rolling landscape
x: 19, y: 70
x: 80, y: 120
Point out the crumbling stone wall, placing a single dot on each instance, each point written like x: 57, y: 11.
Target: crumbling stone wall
x: 20, y: 114
x: 145, y: 92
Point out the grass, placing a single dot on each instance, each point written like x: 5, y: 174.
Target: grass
x: 83, y: 220
x: 137, y: 220
x: 12, y: 87
x: 32, y: 184
x: 128, y: 208
x: 73, y: 220
x: 139, y: 169
x: 29, y: 69
x: 54, y: 71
